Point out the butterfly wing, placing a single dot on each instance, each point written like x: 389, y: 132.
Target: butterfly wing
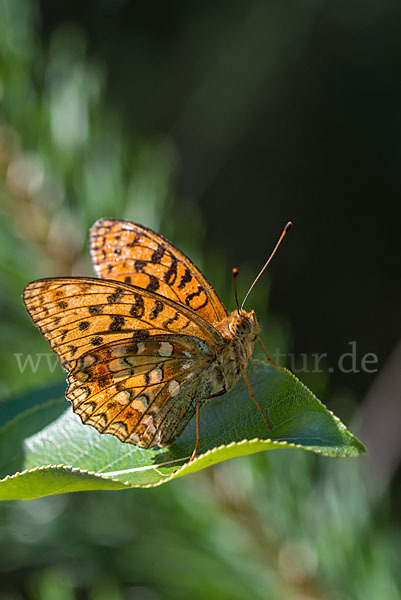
x: 137, y: 361
x: 142, y: 392
x: 81, y: 313
x: 128, y: 252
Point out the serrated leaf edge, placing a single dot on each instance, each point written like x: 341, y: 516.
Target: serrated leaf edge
x: 179, y: 472
x: 281, y: 444
x: 66, y: 468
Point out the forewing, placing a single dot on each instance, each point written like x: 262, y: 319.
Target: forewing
x: 141, y: 392
x: 79, y: 314
x: 128, y: 252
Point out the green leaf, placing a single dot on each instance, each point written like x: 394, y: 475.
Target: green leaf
x: 56, y: 453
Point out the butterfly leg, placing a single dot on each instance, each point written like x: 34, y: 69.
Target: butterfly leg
x: 197, y: 420
x: 244, y: 373
x: 266, y: 352
x: 197, y: 430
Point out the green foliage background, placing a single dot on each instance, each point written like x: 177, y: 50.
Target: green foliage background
x: 97, y: 123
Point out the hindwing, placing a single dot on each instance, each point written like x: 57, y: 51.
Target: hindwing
x: 142, y: 392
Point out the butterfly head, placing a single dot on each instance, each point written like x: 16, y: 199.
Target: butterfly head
x: 243, y: 324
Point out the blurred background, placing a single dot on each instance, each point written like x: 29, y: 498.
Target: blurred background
x: 215, y: 123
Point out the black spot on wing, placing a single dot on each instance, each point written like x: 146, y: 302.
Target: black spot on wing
x: 115, y: 296
x: 121, y: 386
x: 198, y: 292
x: 156, y: 310
x: 186, y: 278
x: 171, y: 274
x: 158, y: 254
x: 117, y: 323
x: 138, y: 308
x: 153, y: 284
x: 103, y: 381
x: 139, y: 265
x: 102, y: 417
x: 170, y: 321
x: 134, y: 241
x: 85, y: 392
x: 84, y: 325
x: 141, y: 334
x: 121, y: 425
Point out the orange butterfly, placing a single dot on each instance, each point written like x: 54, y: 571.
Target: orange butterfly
x: 146, y: 343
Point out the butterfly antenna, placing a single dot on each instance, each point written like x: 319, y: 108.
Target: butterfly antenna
x: 235, y: 275
x: 286, y: 228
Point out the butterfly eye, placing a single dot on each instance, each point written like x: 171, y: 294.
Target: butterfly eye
x: 239, y: 326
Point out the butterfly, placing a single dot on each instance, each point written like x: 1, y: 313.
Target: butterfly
x: 148, y: 341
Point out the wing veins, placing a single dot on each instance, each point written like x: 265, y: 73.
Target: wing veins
x: 112, y: 383
x: 115, y: 226
x: 207, y: 329
x: 166, y: 415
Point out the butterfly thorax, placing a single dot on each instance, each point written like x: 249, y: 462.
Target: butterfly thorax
x: 240, y: 332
